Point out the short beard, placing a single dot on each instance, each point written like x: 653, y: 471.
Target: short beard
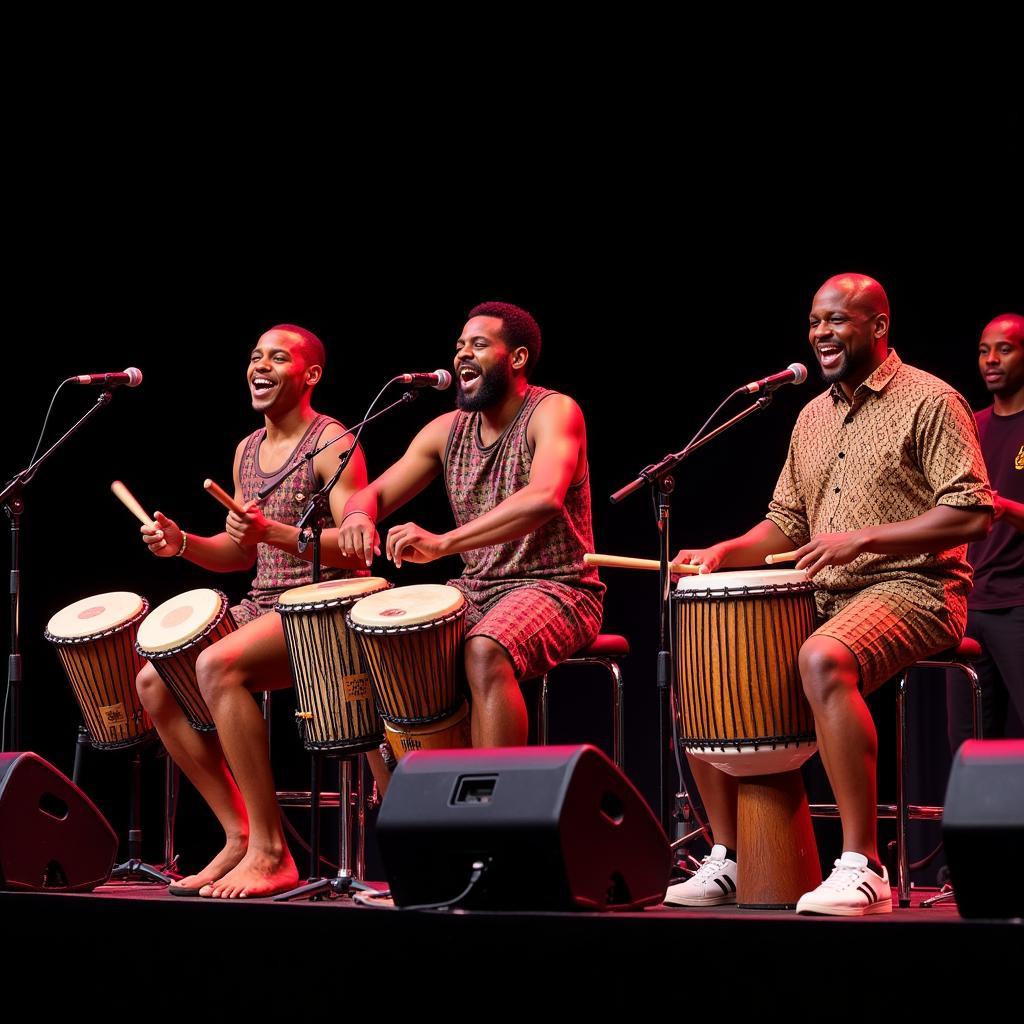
x: 493, y: 387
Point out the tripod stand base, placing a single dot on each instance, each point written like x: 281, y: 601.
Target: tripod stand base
x: 324, y: 887
x: 139, y: 871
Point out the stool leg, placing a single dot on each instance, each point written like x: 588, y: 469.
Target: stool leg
x: 360, y: 820
x: 977, y: 714
x: 618, y: 726
x: 542, y: 713
x: 344, y: 817
x: 903, y: 867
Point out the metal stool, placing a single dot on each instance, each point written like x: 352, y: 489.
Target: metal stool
x: 958, y: 658
x: 606, y: 650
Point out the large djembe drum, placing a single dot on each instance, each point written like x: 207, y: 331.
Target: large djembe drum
x: 412, y: 640
x: 742, y: 709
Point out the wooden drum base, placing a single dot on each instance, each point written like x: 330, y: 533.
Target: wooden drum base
x: 776, y: 854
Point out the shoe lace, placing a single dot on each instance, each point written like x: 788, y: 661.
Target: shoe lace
x: 708, y: 867
x: 843, y: 876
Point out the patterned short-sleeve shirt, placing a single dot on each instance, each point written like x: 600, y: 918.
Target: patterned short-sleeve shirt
x: 906, y: 443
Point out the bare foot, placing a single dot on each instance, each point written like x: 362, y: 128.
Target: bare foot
x: 259, y: 873
x: 223, y: 862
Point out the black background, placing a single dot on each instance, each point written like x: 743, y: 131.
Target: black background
x: 648, y: 321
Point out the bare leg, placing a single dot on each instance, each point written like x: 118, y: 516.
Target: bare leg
x: 718, y: 792
x: 846, y: 738
x: 252, y: 658
x: 499, y: 717
x: 199, y: 756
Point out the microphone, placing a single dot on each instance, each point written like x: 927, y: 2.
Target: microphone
x: 795, y: 373
x: 131, y: 377
x: 441, y: 380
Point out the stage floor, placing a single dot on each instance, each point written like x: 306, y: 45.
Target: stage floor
x: 334, y: 953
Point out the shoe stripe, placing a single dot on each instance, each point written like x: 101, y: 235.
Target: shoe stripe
x: 721, y: 885
x: 868, y: 891
x: 732, y: 884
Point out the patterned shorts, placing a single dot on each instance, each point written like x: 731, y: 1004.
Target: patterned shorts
x: 539, y: 623
x: 886, y: 630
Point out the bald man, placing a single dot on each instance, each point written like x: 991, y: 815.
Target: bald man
x: 996, y: 604
x: 883, y: 487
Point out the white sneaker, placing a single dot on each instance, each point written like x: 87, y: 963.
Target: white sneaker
x: 852, y: 890
x: 713, y: 884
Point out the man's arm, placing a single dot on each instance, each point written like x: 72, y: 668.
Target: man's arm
x: 558, y: 434
x: 401, y: 482
x: 749, y: 549
x: 938, y: 529
x: 1009, y: 511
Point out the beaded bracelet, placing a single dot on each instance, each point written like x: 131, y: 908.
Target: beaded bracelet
x: 184, y: 544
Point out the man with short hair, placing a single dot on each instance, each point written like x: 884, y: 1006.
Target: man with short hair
x: 995, y: 607
x: 231, y: 767
x: 514, y: 460
x: 883, y: 487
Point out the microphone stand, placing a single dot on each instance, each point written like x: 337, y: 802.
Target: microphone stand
x: 658, y: 477
x: 13, y: 501
x: 310, y: 527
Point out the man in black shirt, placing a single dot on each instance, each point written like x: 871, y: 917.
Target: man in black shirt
x: 996, y: 604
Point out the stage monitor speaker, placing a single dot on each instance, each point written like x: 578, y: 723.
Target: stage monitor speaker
x: 53, y: 838
x: 556, y: 828
x: 983, y: 828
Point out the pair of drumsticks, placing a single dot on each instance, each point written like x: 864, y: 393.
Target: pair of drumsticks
x: 679, y: 568
x: 130, y: 502
x: 610, y: 561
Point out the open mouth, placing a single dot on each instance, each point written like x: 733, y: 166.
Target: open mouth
x: 830, y: 356
x: 468, y: 375
x: 262, y: 385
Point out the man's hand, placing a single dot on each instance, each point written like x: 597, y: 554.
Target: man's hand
x: 251, y: 529
x: 829, y: 549
x: 358, y: 536
x: 411, y: 543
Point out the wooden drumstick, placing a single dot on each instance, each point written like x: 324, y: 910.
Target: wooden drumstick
x: 218, y: 492
x: 128, y: 500
x: 624, y: 562
x: 784, y: 556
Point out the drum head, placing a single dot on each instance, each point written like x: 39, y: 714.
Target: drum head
x: 93, y: 615
x: 320, y: 595
x: 179, y: 620
x: 735, y: 584
x: 407, y: 606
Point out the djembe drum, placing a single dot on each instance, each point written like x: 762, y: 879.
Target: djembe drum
x: 173, y: 636
x: 412, y: 638
x: 95, y: 639
x: 333, y: 690
x: 742, y: 709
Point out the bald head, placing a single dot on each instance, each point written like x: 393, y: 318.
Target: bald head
x: 860, y: 292
x: 1001, y: 362
x: 1007, y: 325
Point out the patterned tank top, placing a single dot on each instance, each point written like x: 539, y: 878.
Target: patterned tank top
x: 479, y: 477
x: 277, y: 570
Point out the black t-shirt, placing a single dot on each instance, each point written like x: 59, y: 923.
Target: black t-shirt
x: 998, y: 560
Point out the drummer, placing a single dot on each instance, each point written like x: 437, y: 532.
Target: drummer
x: 514, y: 461
x: 883, y: 487
x: 231, y: 767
